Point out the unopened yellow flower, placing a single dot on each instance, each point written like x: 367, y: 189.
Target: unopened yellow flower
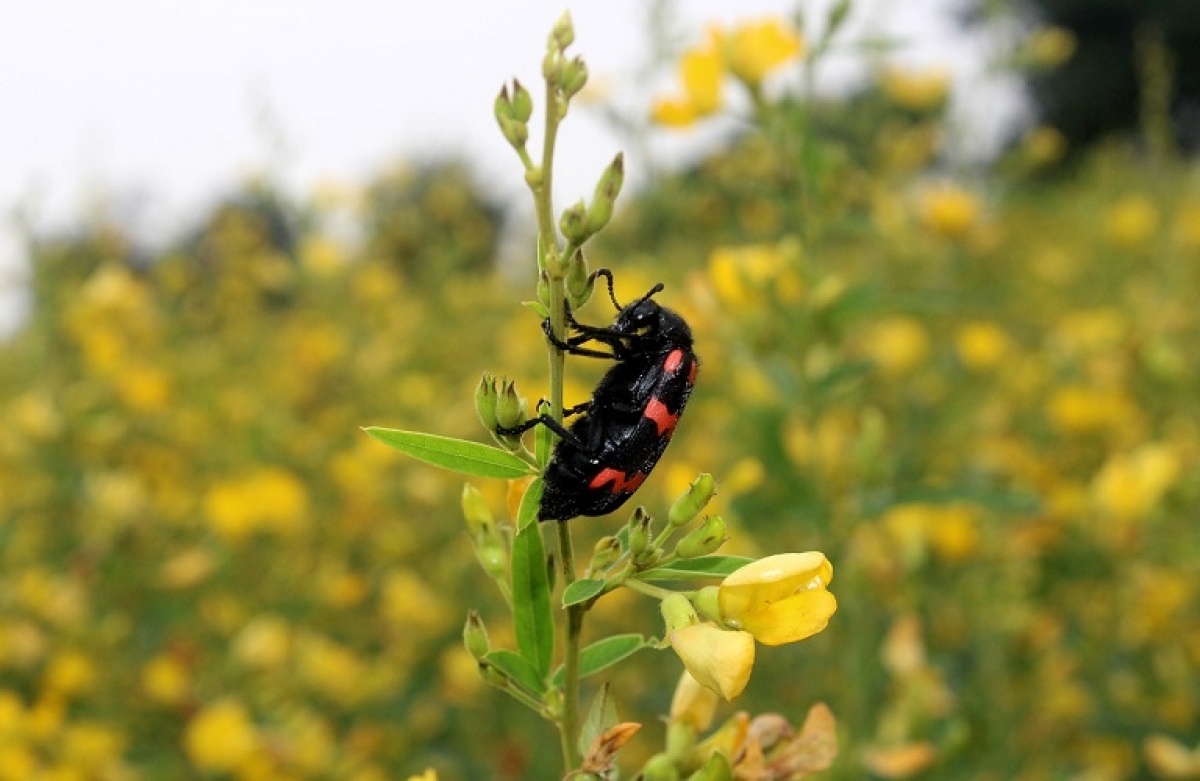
x: 780, y: 599
x: 221, y: 737
x: 717, y: 658
x: 693, y: 703
x: 756, y: 48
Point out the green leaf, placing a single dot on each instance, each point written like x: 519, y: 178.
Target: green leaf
x: 603, y: 654
x: 457, y: 455
x: 538, y: 308
x: 518, y: 668
x: 531, y: 500
x: 543, y: 442
x: 532, y: 613
x: 601, y: 715
x: 699, y: 567
x: 581, y: 591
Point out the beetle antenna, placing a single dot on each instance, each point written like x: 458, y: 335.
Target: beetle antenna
x: 607, y: 274
x: 656, y: 289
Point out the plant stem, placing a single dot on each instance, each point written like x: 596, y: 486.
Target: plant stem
x: 548, y: 233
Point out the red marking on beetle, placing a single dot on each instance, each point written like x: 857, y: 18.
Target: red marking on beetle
x: 692, y: 374
x: 662, y: 417
x: 620, y: 484
x: 674, y: 361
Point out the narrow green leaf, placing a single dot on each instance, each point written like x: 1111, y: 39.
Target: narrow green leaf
x: 601, y: 715
x: 538, y: 308
x: 530, y: 502
x: 457, y: 455
x: 603, y: 654
x: 699, y: 567
x: 581, y: 591
x: 518, y: 668
x: 543, y: 442
x: 532, y: 613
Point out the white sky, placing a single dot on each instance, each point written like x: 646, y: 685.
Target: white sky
x: 162, y: 105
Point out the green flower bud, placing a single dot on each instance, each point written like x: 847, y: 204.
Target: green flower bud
x: 715, y: 769
x: 522, y: 102
x: 572, y: 223
x: 534, y: 177
x: 553, y: 65
x: 639, y: 532
x: 574, y: 77
x: 606, y: 551
x: 563, y: 33
x: 689, y: 505
x: 503, y: 107
x: 677, y: 612
x: 492, y: 557
x: 476, y: 511
x: 579, y: 282
x: 510, y: 408
x: 660, y: 767
x: 485, y: 401
x: 705, y: 601
x: 605, y: 196
x: 516, y: 133
x: 648, y: 558
x: 475, y: 636
x: 703, y: 540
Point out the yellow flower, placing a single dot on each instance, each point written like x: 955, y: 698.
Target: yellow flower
x: 264, y: 643
x: 1131, y: 221
x: 916, y: 90
x: 982, y: 346
x: 740, y: 275
x: 165, y: 680
x: 266, y: 499
x: 428, y: 775
x: 1050, y: 47
x: 718, y: 659
x: 756, y: 48
x: 1044, y: 145
x: 1171, y: 759
x: 949, y: 210
x: 221, y: 737
x: 1131, y: 485
x: 693, y: 703
x: 780, y: 599
x: 1081, y: 409
x: 70, y: 673
x: 898, y: 344
x: 700, y: 71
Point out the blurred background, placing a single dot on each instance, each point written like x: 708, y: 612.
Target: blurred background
x: 942, y: 261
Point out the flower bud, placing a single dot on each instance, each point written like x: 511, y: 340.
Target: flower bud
x: 476, y: 511
x: 660, y: 767
x: 485, y: 401
x: 475, y: 636
x: 510, y: 409
x: 605, y: 197
x: 492, y: 557
x: 689, y: 505
x: 516, y: 133
x: 503, y: 107
x: 553, y: 65
x: 563, y: 33
x: 574, y: 77
x: 579, y: 282
x: 522, y: 102
x: 606, y: 551
x: 706, y: 601
x: 703, y: 540
x: 715, y: 769
x: 639, y: 532
x: 677, y: 612
x: 572, y: 223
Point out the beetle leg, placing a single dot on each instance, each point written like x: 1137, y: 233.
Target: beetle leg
x: 549, y: 423
x: 573, y: 345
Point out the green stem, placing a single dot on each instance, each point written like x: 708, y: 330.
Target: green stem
x: 544, y: 200
x: 657, y: 592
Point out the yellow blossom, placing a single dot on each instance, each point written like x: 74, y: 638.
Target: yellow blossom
x: 70, y: 673
x: 916, y: 90
x: 982, y: 346
x: 717, y: 658
x: 949, y: 210
x: 428, y: 775
x: 1169, y: 758
x: 221, y: 737
x: 266, y: 499
x: 693, y: 703
x: 700, y: 71
x: 780, y: 599
x: 1044, y: 145
x: 756, y: 48
x: 143, y: 388
x: 897, y: 344
x: 1131, y: 485
x: 739, y: 275
x: 264, y: 643
x: 165, y: 680
x: 1080, y: 409
x: 1131, y: 222
x: 1050, y: 47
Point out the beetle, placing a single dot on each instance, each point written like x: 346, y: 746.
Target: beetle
x: 621, y: 433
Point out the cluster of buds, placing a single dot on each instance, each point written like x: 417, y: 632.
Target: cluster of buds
x: 499, y: 407
x: 513, y: 112
x: 583, y: 220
